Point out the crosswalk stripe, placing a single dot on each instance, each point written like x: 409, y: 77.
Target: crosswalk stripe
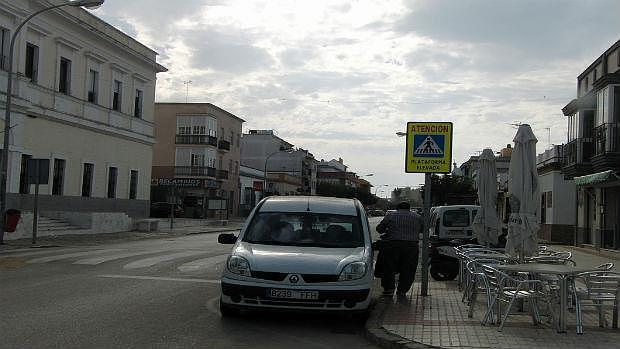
x: 38, y: 252
x: 148, y: 262
x: 203, y: 263
x: 71, y: 255
x: 107, y: 258
x: 158, y: 278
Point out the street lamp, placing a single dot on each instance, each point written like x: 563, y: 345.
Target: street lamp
x: 90, y: 4
x: 281, y: 150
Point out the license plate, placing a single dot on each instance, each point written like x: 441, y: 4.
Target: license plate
x: 455, y: 232
x: 292, y: 294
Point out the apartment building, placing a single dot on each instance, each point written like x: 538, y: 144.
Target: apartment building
x: 196, y: 158
x: 592, y: 151
x: 83, y: 98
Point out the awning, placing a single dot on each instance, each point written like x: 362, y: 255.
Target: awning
x: 597, y: 178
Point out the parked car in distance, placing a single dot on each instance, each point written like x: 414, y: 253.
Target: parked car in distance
x: 162, y: 210
x: 300, y: 253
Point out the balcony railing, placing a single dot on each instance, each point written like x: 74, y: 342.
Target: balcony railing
x: 222, y: 174
x: 197, y: 171
x: 196, y: 139
x: 606, y: 139
x: 224, y: 145
x: 577, y: 151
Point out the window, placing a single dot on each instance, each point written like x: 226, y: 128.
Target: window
x: 137, y: 106
x: 87, y: 179
x: 32, y: 62
x: 195, y: 125
x: 24, y: 185
x: 238, y: 140
x: 117, y: 95
x: 64, y: 82
x: 305, y: 229
x: 602, y: 106
x: 133, y: 184
x: 594, y: 75
x: 197, y: 157
x: 93, y: 86
x: 230, y: 166
x: 59, y: 177
x: 456, y: 218
x: 549, y: 199
x: 5, y: 38
x: 112, y: 177
x: 586, y: 83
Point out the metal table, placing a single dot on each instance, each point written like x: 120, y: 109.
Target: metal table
x: 564, y: 273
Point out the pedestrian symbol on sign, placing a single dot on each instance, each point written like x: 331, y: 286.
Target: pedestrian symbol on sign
x: 430, y: 146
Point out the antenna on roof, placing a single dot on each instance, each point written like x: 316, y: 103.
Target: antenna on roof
x: 187, y: 83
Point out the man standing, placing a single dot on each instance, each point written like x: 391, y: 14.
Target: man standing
x: 401, y: 230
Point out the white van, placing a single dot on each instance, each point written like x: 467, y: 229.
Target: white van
x: 452, y: 222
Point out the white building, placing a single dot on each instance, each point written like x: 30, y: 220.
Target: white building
x: 83, y: 98
x: 557, y: 204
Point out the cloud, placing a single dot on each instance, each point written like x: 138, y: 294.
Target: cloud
x: 226, y: 51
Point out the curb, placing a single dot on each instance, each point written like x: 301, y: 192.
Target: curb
x: 376, y: 334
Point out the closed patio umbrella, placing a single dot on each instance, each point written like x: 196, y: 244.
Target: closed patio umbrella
x: 486, y: 223
x: 523, y: 190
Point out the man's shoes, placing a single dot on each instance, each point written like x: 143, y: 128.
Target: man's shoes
x: 387, y: 293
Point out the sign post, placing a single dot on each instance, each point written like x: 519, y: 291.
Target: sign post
x: 428, y: 151
x: 38, y: 173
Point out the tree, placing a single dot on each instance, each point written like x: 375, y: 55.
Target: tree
x: 342, y: 191
x: 452, y: 190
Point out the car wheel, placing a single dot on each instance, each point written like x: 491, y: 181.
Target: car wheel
x: 442, y: 272
x: 228, y: 311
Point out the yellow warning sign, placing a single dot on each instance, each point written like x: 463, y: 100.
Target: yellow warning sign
x: 429, y: 147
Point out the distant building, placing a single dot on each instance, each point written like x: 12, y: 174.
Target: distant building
x: 289, y: 171
x: 251, y: 185
x: 408, y: 194
x: 83, y: 99
x: 471, y: 167
x: 592, y: 151
x: 557, y: 204
x: 335, y: 172
x: 199, y: 146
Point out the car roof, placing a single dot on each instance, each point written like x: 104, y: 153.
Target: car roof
x: 316, y: 204
x: 455, y: 207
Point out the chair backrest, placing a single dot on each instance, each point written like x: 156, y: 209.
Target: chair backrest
x: 605, y: 266
x: 602, y: 285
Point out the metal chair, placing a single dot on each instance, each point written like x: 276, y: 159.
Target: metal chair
x: 480, y: 283
x: 517, y: 288
x: 605, y: 266
x: 602, y: 290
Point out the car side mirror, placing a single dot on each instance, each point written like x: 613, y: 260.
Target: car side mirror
x: 227, y: 239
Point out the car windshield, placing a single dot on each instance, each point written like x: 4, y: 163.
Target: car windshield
x: 305, y: 229
x: 456, y: 218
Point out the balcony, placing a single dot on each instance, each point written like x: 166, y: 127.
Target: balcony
x: 577, y: 155
x: 222, y: 174
x: 196, y: 139
x: 194, y: 171
x: 606, y: 139
x: 224, y: 145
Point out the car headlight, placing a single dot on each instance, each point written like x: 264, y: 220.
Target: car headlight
x: 353, y: 271
x: 239, y: 265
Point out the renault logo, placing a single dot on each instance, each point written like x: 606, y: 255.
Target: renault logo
x: 293, y: 279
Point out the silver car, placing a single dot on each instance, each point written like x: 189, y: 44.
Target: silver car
x: 302, y: 253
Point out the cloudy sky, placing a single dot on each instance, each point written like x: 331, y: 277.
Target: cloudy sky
x: 341, y: 77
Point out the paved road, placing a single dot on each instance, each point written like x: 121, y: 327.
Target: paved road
x: 142, y: 294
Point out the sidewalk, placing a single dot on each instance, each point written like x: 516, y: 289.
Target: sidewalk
x: 181, y: 228
x: 440, y: 321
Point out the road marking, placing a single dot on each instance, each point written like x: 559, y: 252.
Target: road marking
x: 99, y: 260
x: 158, y: 278
x: 203, y: 263
x: 34, y: 252
x: 71, y: 255
x: 148, y: 262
